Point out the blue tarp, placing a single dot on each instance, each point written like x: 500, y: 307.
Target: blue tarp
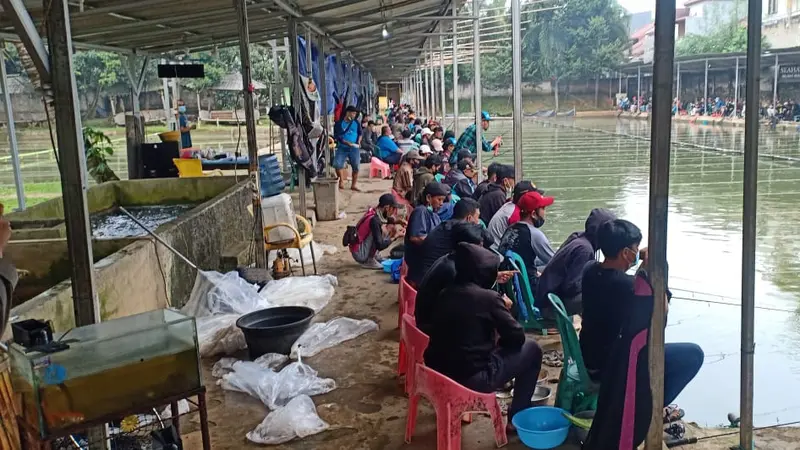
x: 336, y: 79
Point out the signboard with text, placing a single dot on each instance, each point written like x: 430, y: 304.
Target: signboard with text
x: 790, y: 73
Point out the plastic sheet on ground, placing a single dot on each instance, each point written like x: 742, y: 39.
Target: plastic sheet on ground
x: 215, y: 293
x: 272, y: 361
x: 298, y: 418
x: 219, y: 335
x: 320, y: 250
x: 324, y: 335
x: 183, y: 408
x: 312, y: 291
x: 275, y: 389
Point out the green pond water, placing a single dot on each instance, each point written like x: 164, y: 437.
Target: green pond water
x: 588, y: 169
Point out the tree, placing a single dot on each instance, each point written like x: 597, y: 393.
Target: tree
x: 94, y: 72
x: 581, y: 39
x: 731, y: 38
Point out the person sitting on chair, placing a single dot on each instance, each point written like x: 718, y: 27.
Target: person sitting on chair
x: 607, y: 292
x: 423, y: 219
x: 474, y: 339
x: 526, y: 238
x: 388, y: 151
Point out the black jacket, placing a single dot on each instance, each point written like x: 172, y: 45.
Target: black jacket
x: 480, y: 189
x: 468, y: 316
x: 492, y: 201
x: 442, y: 240
x: 563, y: 273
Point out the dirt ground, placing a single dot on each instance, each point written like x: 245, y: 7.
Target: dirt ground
x: 367, y: 410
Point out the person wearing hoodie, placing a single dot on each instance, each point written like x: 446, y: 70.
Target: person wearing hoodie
x: 8, y: 274
x: 474, y: 339
x: 464, y: 226
x: 502, y: 218
x: 464, y: 187
x: 423, y: 176
x: 497, y: 193
x: 404, y: 178
x: 491, y: 177
x: 564, y: 272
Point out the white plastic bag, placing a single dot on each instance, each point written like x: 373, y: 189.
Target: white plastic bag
x: 183, y: 408
x: 275, y: 389
x: 215, y: 293
x: 323, y: 335
x: 313, y: 291
x: 320, y: 250
x: 219, y: 335
x: 223, y: 366
x: 272, y: 361
x: 298, y: 418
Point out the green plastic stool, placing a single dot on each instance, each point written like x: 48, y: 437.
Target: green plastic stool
x: 516, y: 263
x: 576, y: 391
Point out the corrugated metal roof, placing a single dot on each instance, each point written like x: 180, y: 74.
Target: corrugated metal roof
x: 158, y: 26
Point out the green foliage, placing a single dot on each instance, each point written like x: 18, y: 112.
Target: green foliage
x: 731, y: 38
x: 582, y: 39
x: 98, y: 149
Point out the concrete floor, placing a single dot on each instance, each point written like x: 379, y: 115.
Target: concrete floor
x: 367, y: 410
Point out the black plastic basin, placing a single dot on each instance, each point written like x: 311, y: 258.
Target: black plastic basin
x: 274, y: 330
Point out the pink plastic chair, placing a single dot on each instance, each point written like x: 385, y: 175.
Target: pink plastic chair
x: 379, y: 168
x: 403, y: 269
x: 415, y: 342
x: 406, y: 295
x: 451, y: 401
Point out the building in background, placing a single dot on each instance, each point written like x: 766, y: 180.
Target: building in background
x: 781, y: 24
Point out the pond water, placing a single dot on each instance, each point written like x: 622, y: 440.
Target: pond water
x: 588, y: 169
x: 115, y: 224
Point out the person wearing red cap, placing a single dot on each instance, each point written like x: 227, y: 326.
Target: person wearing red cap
x: 526, y: 238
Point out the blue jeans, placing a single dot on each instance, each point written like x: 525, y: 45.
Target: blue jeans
x: 343, y: 154
x: 392, y: 158
x: 682, y: 361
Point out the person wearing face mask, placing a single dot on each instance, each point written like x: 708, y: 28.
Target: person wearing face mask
x: 474, y: 339
x: 423, y: 219
x: 526, y: 238
x: 608, y: 293
x: 464, y: 226
x: 185, y: 126
x: 497, y: 193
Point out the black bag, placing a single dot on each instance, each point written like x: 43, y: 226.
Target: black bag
x: 350, y: 236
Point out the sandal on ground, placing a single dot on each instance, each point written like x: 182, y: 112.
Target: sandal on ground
x: 673, y: 413
x: 553, y: 358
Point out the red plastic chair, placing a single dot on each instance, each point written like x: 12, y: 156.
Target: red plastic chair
x: 403, y: 269
x: 407, y: 298
x: 451, y: 401
x: 415, y: 342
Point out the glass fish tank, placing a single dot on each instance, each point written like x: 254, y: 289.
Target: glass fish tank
x: 110, y: 367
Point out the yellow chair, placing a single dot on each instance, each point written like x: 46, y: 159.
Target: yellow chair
x: 192, y: 168
x: 303, y: 235
x: 189, y: 168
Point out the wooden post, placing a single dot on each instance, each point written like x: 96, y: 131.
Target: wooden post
x: 250, y: 125
x: 134, y: 138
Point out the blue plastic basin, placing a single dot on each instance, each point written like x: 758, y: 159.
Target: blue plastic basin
x: 541, y: 427
x: 387, y: 264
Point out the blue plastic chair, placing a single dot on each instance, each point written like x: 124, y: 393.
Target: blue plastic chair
x: 530, y: 316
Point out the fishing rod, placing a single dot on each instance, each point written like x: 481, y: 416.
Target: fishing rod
x: 159, y: 239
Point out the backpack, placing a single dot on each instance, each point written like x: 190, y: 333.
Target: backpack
x: 354, y: 235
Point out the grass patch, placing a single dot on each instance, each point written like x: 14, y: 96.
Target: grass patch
x: 34, y: 193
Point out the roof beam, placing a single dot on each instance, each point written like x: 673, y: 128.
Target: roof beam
x: 333, y: 5
x: 227, y: 26
x: 360, y: 28
x: 26, y: 30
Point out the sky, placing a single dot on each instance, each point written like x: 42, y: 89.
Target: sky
x: 641, y: 5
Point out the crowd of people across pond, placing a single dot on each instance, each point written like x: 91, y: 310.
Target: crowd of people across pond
x: 456, y: 233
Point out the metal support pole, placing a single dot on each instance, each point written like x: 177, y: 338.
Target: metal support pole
x: 455, y: 68
x: 705, y: 90
x: 619, y: 89
x: 323, y: 61
x: 678, y: 82
x: 168, y: 117
x: 775, y: 83
x: 434, y: 101
x: 250, y: 126
x: 428, y: 108
x: 294, y: 68
x: 749, y: 211
x: 516, y: 69
x: 476, y: 64
x: 441, y: 85
x: 736, y: 90
x: 12, y: 133
x: 72, y: 159
x: 664, y: 56
x: 639, y: 88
